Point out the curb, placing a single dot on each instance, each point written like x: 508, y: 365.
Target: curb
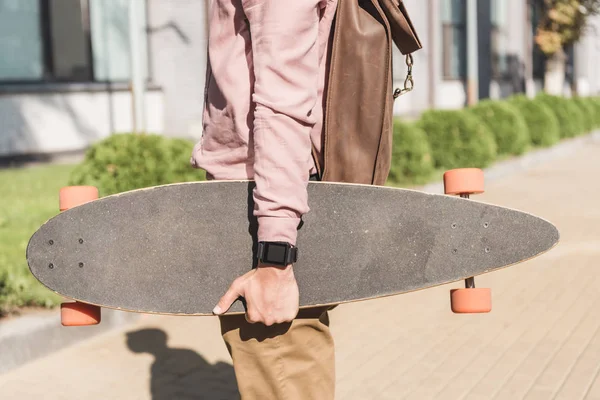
x: 26, y: 338
x: 526, y: 161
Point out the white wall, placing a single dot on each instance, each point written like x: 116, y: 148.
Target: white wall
x: 178, y: 42
x: 587, y: 60
x: 38, y: 123
x: 447, y: 94
x: 418, y: 99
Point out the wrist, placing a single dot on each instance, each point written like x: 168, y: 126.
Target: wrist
x: 282, y: 268
x: 276, y: 272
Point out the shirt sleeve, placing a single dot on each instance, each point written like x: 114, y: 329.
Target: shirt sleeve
x: 285, y: 56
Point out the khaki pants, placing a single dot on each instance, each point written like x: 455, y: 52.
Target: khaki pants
x: 286, y: 361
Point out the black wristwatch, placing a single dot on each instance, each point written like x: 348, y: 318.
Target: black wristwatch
x: 277, y: 253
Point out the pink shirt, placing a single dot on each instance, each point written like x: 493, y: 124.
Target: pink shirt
x: 263, y: 102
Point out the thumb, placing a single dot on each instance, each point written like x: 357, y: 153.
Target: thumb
x: 228, y: 298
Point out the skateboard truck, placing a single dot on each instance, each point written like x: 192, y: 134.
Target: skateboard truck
x: 77, y: 313
x: 470, y: 283
x: 464, y: 182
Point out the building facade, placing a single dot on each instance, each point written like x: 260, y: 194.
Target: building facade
x: 70, y: 68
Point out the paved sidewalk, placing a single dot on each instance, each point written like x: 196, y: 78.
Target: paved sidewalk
x: 541, y: 341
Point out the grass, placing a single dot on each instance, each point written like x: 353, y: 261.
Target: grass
x: 29, y: 197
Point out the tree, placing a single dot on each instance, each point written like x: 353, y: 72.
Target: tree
x: 561, y: 24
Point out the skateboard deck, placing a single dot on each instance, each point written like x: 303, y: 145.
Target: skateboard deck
x: 175, y: 249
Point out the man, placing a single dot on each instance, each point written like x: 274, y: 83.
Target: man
x: 263, y: 120
x: 270, y: 62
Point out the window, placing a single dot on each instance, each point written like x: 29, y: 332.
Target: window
x: 454, y: 39
x: 110, y: 37
x: 67, y: 40
x: 500, y: 67
x: 20, y: 40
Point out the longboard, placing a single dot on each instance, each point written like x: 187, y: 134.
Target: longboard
x: 175, y: 249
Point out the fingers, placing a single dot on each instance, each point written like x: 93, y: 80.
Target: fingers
x: 255, y: 317
x: 232, y: 294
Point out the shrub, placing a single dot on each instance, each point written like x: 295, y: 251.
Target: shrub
x: 411, y: 154
x: 578, y: 117
x: 506, y: 123
x: 458, y: 139
x: 595, y: 102
x: 129, y: 161
x: 587, y: 108
x: 542, y: 124
x: 570, y: 118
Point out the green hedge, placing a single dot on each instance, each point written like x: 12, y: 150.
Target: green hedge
x: 411, y: 155
x: 595, y: 103
x: 543, y: 126
x: 128, y: 161
x: 570, y: 118
x: 587, y: 109
x: 458, y: 139
x: 506, y: 123
x: 578, y: 116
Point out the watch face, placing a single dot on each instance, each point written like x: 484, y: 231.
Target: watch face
x: 275, y: 253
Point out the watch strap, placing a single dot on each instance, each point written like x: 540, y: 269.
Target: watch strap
x: 277, y: 253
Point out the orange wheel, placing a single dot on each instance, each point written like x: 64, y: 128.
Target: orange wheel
x: 73, y: 196
x: 79, y: 314
x: 471, y: 300
x: 463, y: 181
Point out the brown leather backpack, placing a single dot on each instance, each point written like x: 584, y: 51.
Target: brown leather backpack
x: 359, y: 99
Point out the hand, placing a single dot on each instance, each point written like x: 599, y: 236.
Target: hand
x: 271, y: 294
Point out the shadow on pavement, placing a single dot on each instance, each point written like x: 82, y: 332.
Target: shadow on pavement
x: 182, y: 373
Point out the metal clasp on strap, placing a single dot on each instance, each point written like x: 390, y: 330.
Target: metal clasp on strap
x: 408, y: 82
